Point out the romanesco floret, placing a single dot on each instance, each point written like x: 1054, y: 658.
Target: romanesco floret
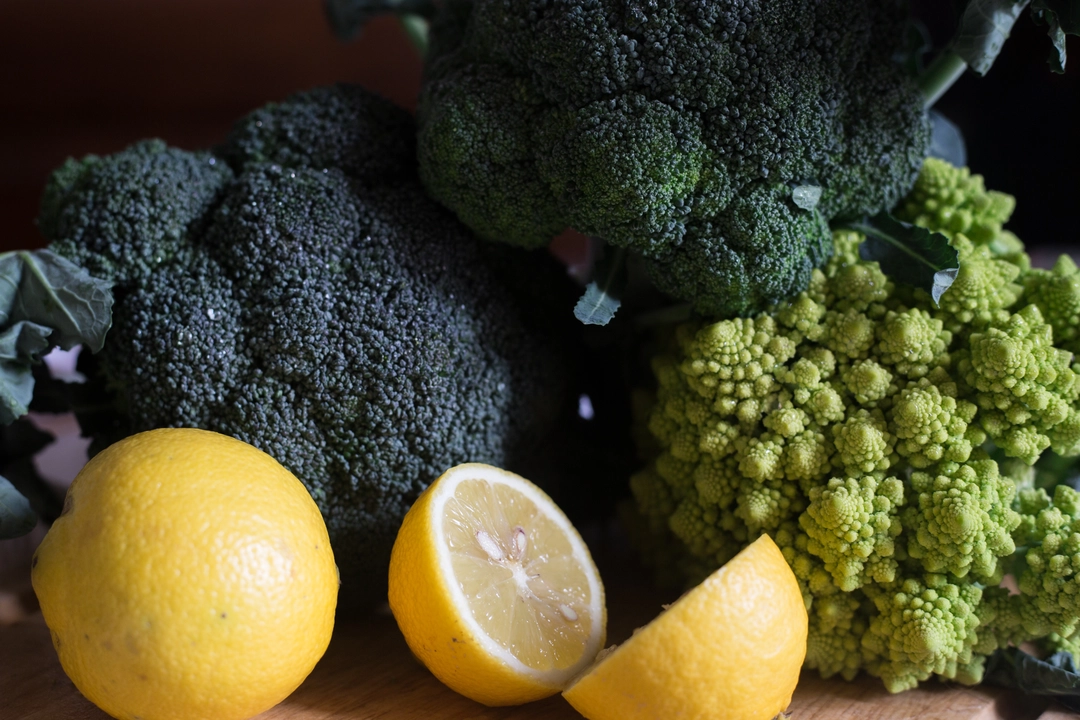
x: 864, y: 443
x: 984, y: 287
x: 924, y: 627
x: 849, y: 334
x: 834, y: 638
x: 869, y: 382
x: 1024, y: 384
x: 1057, y: 294
x: 952, y: 200
x: 766, y: 505
x: 960, y: 518
x: 857, y: 423
x: 853, y: 525
x: 932, y: 426
x: 1051, y: 578
x: 912, y: 342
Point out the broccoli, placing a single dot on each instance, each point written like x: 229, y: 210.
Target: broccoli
x: 295, y: 288
x: 680, y: 131
x: 862, y: 425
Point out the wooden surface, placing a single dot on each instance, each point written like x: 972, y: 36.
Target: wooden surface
x: 368, y: 674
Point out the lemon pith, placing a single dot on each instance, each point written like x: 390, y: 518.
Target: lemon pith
x: 730, y: 648
x: 190, y: 576
x: 493, y: 589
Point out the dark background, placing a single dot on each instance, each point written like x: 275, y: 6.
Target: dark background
x: 91, y: 76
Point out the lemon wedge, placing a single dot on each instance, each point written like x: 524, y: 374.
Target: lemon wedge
x: 730, y: 648
x: 493, y: 588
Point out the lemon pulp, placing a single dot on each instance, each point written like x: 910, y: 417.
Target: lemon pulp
x: 519, y: 575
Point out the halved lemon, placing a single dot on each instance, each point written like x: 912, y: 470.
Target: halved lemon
x: 730, y: 648
x: 493, y: 588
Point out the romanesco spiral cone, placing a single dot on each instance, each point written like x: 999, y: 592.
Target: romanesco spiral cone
x: 869, y: 382
x: 960, y: 518
x: 1024, y: 384
x: 912, y: 342
x: 853, y: 525
x: 834, y: 638
x: 985, y: 286
x: 863, y: 443
x: 952, y: 200
x: 932, y: 426
x: 924, y: 627
x: 1057, y: 294
x: 1051, y: 578
x: 861, y: 425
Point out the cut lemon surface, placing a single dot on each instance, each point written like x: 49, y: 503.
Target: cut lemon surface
x: 493, y: 588
x: 730, y: 648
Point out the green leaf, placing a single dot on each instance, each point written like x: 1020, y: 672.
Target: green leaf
x: 908, y: 253
x: 57, y: 293
x: 1055, y: 676
x: 16, y: 517
x: 1062, y: 17
x: 18, y: 344
x: 348, y: 17
x: 984, y: 28
x: 602, y: 296
x: 45, y: 301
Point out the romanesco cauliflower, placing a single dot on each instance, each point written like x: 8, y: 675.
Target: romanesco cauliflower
x: 861, y: 424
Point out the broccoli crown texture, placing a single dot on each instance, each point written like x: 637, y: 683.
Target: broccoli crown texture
x: 297, y: 290
x: 886, y: 444
x: 677, y: 129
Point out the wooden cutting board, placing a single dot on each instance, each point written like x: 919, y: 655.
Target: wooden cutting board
x: 369, y: 674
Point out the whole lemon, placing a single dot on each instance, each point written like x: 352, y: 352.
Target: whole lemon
x: 189, y: 576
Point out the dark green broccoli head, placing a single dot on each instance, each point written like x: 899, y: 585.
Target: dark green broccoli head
x: 125, y: 215
x: 325, y: 311
x: 650, y: 124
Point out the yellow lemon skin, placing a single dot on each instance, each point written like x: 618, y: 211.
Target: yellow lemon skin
x: 189, y: 577
x: 434, y: 625
x: 730, y: 648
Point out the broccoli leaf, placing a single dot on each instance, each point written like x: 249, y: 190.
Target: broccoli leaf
x: 1062, y: 18
x: 348, y: 17
x: 16, y: 517
x: 984, y: 28
x: 52, y: 291
x: 602, y: 299
x: 45, y: 300
x: 946, y: 141
x: 908, y: 253
x: 19, y: 344
x: 1056, y: 676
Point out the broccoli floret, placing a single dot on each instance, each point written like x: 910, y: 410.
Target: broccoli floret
x: 856, y: 427
x: 296, y: 289
x: 678, y: 132
x: 123, y: 216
